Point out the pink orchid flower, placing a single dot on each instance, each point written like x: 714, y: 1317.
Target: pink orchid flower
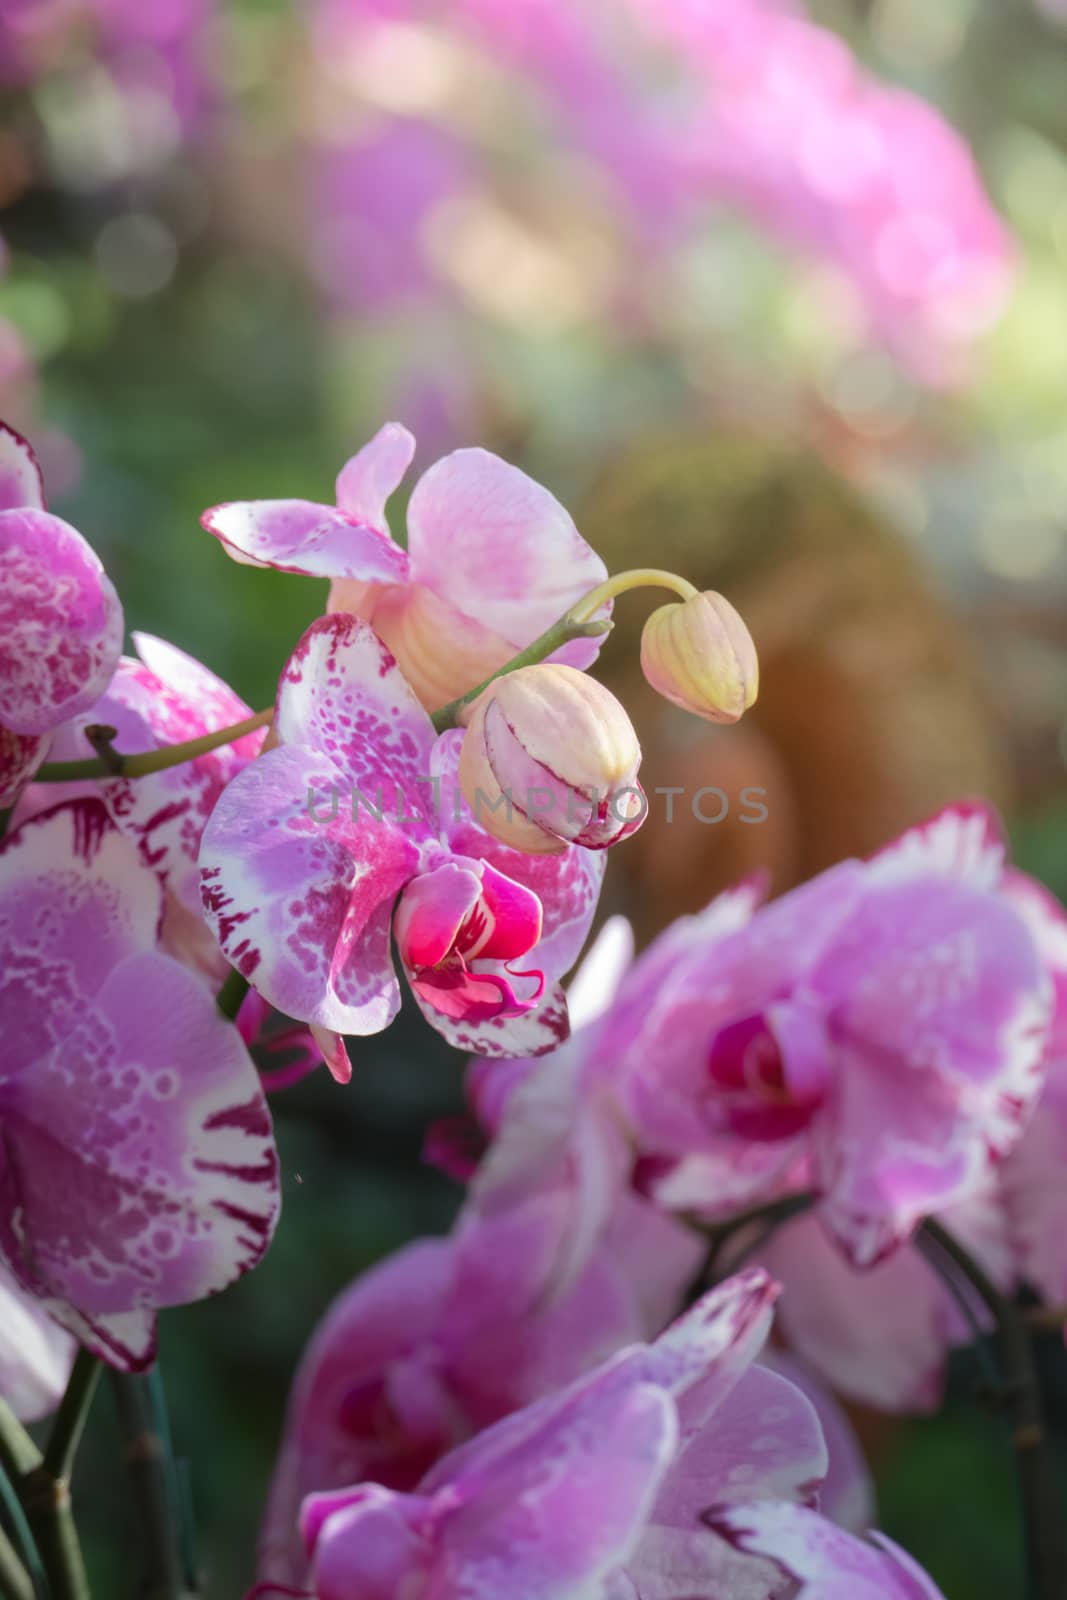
x: 354, y: 830
x: 35, y: 1354
x: 597, y: 1488
x: 138, y: 1161
x: 884, y: 1336
x: 877, y: 1035
x: 451, y: 1335
x: 492, y: 560
x: 826, y: 1563
x: 60, y: 619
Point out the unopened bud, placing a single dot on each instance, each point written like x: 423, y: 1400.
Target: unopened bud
x: 549, y: 759
x: 698, y: 654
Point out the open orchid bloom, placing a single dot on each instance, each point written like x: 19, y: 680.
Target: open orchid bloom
x: 60, y: 619
x: 878, y: 1035
x: 352, y: 831
x: 883, y: 1337
x: 138, y: 1163
x: 597, y: 1488
x: 826, y: 1562
x: 492, y: 560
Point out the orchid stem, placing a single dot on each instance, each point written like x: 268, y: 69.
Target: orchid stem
x: 45, y: 1525
x: 1046, y: 1571
x: 15, y: 1581
x: 579, y: 622
x: 154, y: 1481
x: 110, y: 763
x: 71, y: 1417
x: 560, y: 633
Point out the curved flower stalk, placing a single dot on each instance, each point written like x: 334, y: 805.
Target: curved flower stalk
x: 138, y: 1164
x: 60, y: 619
x: 308, y: 849
x: 492, y: 559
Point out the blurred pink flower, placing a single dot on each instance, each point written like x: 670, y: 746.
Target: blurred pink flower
x: 601, y: 1483
x: 877, y: 1035
x: 309, y: 847
x: 138, y: 1164
x: 60, y: 619
x: 882, y: 1337
x: 492, y: 560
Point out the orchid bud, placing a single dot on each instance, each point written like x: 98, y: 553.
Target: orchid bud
x: 549, y: 759
x: 699, y: 655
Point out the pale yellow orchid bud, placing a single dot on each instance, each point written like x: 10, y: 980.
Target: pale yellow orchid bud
x: 549, y: 759
x: 698, y: 654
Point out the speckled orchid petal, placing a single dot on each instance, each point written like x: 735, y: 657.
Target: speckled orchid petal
x: 941, y: 1010
x: 137, y: 1149
x: 60, y: 622
x: 21, y: 483
x: 500, y: 548
x: 302, y: 536
x: 366, y: 481
x: 514, y: 1027
x: 964, y: 842
x: 826, y: 1562
x: 765, y: 1443
x: 309, y: 846
x: 35, y: 1354
x: 302, y: 903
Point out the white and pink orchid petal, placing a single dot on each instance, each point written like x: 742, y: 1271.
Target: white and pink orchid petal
x: 827, y: 1563
x: 21, y: 482
x: 302, y: 536
x: 35, y: 1354
x: 343, y: 695
x: 431, y: 910
x: 60, y: 622
x: 368, y: 478
x: 846, y: 1494
x: 765, y: 1444
x: 702, y: 1355
x: 121, y: 1208
x: 463, y: 995
x: 964, y: 842
x: 534, y: 1032
x: 941, y: 1010
x: 301, y: 903
x: 500, y: 548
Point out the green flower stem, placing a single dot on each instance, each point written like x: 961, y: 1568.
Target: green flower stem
x: 71, y: 1417
x: 45, y: 1502
x: 15, y: 1581
x: 1045, y: 1556
x: 110, y: 763
x: 560, y: 633
x: 154, y: 1483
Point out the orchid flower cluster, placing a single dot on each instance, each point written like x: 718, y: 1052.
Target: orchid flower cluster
x: 569, y: 1397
